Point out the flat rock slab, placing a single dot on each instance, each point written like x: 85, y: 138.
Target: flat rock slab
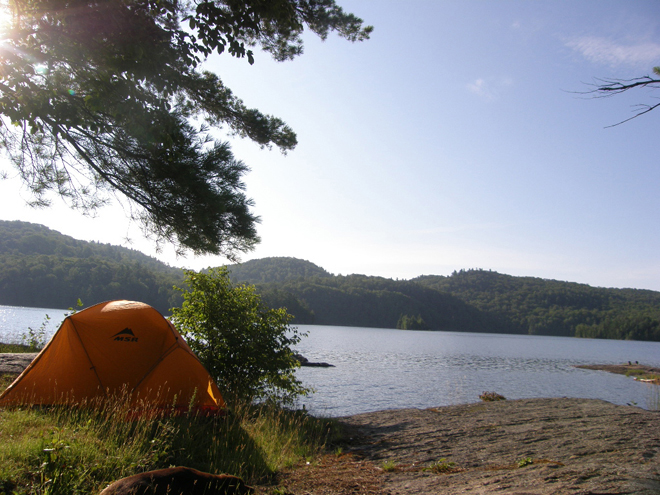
x: 577, y: 446
x: 15, y: 363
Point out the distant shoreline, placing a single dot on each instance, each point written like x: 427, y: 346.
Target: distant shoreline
x: 638, y: 371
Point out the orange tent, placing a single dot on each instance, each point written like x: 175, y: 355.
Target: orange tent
x: 111, y: 348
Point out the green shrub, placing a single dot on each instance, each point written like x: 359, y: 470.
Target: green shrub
x: 245, y: 346
x: 36, y: 339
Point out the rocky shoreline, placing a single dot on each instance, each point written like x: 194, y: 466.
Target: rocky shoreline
x: 521, y: 447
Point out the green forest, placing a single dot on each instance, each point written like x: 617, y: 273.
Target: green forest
x: 467, y: 300
x: 40, y: 267
x: 43, y: 268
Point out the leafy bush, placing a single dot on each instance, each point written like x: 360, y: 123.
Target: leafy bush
x: 36, y: 340
x: 244, y: 345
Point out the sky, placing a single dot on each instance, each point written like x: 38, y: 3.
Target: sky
x: 457, y: 137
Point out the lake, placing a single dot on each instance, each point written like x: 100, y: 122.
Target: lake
x: 15, y: 321
x: 384, y: 369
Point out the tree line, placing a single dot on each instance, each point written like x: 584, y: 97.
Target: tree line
x: 43, y: 268
x: 40, y: 267
x: 467, y: 300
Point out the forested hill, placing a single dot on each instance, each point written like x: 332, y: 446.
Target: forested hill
x: 468, y: 300
x: 275, y: 270
x: 40, y: 267
x: 551, y: 307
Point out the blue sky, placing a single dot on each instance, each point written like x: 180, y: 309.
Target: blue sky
x: 456, y: 137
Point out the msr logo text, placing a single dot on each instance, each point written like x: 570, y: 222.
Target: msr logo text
x: 126, y: 335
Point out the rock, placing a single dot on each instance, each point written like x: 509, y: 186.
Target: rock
x: 178, y: 481
x: 530, y: 446
x: 15, y: 363
x: 306, y: 362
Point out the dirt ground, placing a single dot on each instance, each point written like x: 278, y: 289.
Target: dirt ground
x: 533, y: 446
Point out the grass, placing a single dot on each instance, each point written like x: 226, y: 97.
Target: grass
x: 643, y: 375
x: 20, y: 348
x: 491, y: 396
x: 6, y: 379
x: 443, y: 466
x: 69, y: 450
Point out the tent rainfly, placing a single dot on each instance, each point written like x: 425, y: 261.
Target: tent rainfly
x: 112, y: 348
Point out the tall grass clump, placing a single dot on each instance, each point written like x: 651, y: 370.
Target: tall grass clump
x: 76, y: 450
x: 5, y: 380
x: 252, y: 442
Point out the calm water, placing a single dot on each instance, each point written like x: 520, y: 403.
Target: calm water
x: 15, y: 321
x: 385, y: 369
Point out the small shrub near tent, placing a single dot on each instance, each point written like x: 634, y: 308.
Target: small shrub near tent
x: 245, y: 346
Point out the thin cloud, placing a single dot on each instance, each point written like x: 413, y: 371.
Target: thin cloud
x: 481, y: 88
x: 489, y: 90
x: 607, y: 52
